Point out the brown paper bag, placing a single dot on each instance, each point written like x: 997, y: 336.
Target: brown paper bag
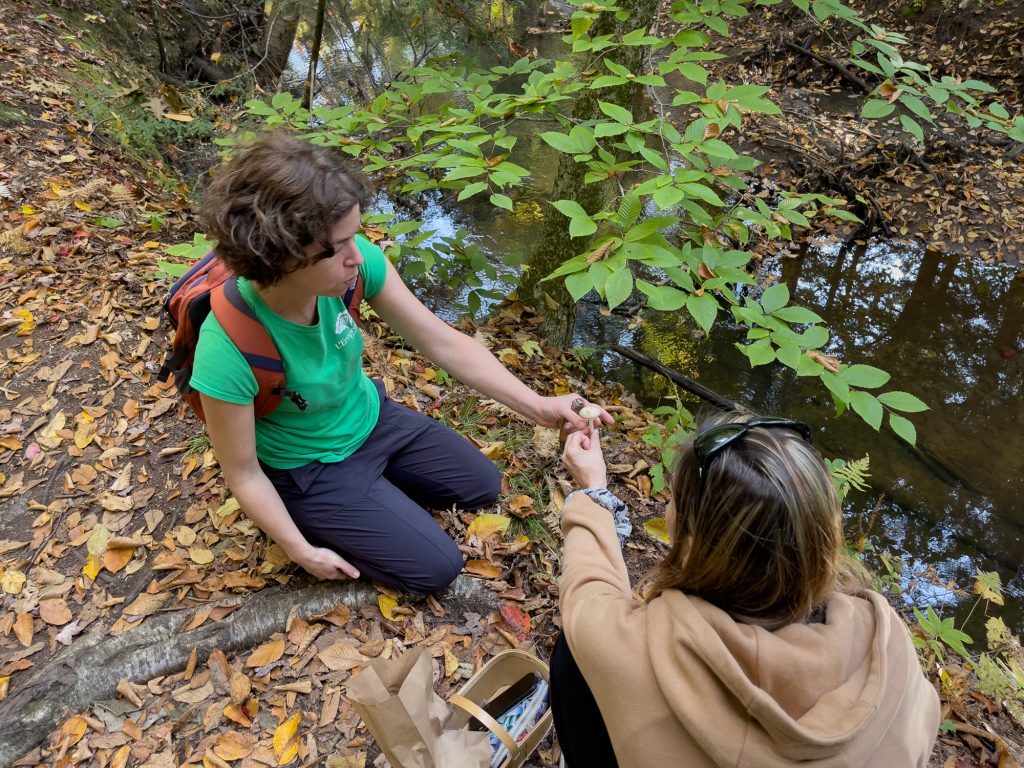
x: 397, y: 702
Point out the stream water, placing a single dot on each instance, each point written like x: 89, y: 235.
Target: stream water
x: 949, y: 330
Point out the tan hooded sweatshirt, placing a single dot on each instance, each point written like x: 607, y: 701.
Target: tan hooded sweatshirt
x: 679, y: 683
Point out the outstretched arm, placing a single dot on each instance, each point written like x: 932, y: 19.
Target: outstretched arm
x: 233, y: 434
x: 466, y: 358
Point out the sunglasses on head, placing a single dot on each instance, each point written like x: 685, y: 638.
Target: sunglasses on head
x: 712, y: 441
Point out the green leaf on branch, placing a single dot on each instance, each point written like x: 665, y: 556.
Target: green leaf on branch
x: 663, y: 297
x: 502, y: 201
x: 472, y: 189
x: 902, y: 401
x: 775, y: 298
x: 867, y: 407
x: 864, y: 376
x: 903, y: 427
x: 877, y: 108
x: 796, y: 314
x: 579, y: 285
x: 703, y: 309
x: 760, y: 353
x: 618, y: 287
x: 616, y: 113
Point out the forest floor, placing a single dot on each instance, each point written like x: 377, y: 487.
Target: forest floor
x: 115, y: 519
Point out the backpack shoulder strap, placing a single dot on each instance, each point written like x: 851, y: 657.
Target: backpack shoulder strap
x: 354, y: 297
x: 246, y: 332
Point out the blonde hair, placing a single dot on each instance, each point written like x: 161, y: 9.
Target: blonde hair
x: 760, y: 535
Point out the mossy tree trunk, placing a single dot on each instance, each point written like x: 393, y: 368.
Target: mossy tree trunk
x: 278, y: 37
x: 550, y: 299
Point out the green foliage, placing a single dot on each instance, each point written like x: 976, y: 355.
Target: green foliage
x: 847, y: 475
x: 673, y: 427
x: 193, y: 251
x: 940, y: 634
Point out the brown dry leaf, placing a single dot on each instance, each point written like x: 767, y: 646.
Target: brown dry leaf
x: 117, y: 558
x: 521, y: 506
x: 357, y: 760
x: 487, y: 525
x: 233, y: 712
x: 451, y: 663
x: 23, y: 629
x: 55, y: 612
x: 146, y: 604
x: 232, y: 745
x: 185, y: 536
x: 483, y: 568
x: 286, y: 739
x: 341, y: 656
x: 200, y: 555
x: 267, y: 653
x: 827, y: 361
x: 339, y: 616
x: 113, y: 503
x: 188, y: 695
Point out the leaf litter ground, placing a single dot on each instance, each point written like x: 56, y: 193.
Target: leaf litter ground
x: 114, y: 511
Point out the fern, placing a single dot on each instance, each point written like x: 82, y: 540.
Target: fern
x: 847, y: 475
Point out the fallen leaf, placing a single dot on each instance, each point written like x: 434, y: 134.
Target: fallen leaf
x: 356, y: 760
x: 286, y: 740
x: 145, y: 604
x: 387, y: 605
x: 200, y: 555
x: 658, y: 528
x: 71, y: 732
x: 267, y: 653
x: 188, y: 695
x: 240, y: 686
x: 12, y: 581
x: 486, y: 525
x: 55, y: 612
x: 232, y: 745
x: 483, y: 568
x: 518, y: 619
x: 23, y: 629
x: 340, y: 656
x: 116, y: 559
x: 120, y: 758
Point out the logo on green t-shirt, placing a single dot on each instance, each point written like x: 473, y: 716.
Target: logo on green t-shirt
x: 345, y: 328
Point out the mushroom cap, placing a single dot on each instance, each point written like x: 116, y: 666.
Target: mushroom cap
x: 590, y: 412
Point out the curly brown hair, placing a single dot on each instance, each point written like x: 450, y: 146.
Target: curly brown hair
x: 273, y: 198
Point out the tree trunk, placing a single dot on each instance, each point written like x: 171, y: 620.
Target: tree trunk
x: 314, y: 53
x: 551, y: 300
x: 278, y: 38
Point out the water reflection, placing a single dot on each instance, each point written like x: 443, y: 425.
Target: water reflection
x: 950, y: 331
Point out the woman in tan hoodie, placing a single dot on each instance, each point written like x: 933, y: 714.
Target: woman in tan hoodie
x: 747, y: 651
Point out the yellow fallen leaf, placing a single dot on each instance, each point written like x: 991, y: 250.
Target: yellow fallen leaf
x: 387, y: 605
x: 4, y: 682
x: 98, y: 538
x: 232, y: 745
x: 120, y: 758
x: 56, y: 425
x: 658, y: 528
x: 28, y: 210
x: 82, y: 205
x: 267, y: 653
x: 286, y: 740
x: 229, y: 506
x: 71, y: 732
x: 487, y: 525
x: 357, y: 760
x: 178, y: 117
x: 92, y: 566
x: 84, y: 435
x: 12, y: 582
x: 240, y: 686
x: 28, y: 323
x: 451, y: 663
x: 483, y: 568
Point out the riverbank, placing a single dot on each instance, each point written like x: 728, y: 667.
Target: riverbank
x: 113, y: 510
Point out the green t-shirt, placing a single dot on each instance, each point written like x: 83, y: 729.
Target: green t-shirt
x: 322, y: 362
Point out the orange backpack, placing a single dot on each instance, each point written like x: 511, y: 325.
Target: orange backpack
x: 210, y: 285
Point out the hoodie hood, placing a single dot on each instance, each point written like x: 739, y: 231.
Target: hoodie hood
x: 802, y: 692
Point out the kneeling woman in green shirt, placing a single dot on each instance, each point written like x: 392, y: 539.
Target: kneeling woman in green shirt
x: 342, y: 481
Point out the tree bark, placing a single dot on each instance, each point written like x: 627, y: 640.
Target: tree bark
x: 278, y: 38
x: 314, y: 53
x: 90, y: 669
x: 551, y: 300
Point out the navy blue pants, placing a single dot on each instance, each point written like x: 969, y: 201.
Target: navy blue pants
x: 582, y: 734
x: 370, y: 508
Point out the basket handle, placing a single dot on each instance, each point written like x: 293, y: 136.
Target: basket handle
x: 493, y: 725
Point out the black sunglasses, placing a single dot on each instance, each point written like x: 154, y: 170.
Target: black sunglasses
x: 711, y: 442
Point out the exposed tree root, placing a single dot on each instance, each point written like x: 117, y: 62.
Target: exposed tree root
x: 90, y: 669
